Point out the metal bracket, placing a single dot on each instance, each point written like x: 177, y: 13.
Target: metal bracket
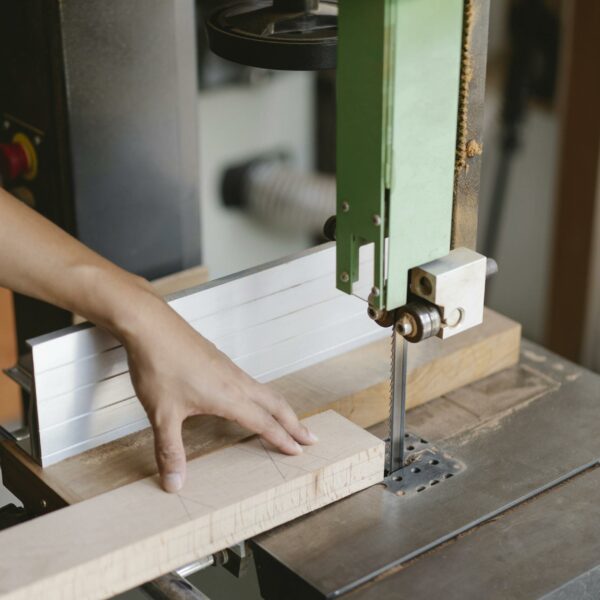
x: 425, y: 467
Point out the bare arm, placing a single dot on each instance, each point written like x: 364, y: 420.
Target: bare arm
x: 175, y: 371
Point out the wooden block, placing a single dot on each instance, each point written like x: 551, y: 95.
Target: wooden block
x: 111, y: 543
x: 189, y: 278
x: 10, y: 397
x: 355, y: 384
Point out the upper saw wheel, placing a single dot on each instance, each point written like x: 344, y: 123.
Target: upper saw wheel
x: 297, y: 35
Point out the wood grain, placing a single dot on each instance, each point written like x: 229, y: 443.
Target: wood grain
x: 355, y: 384
x: 126, y: 537
x: 10, y: 398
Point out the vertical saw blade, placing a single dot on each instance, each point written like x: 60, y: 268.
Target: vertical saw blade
x: 395, y: 457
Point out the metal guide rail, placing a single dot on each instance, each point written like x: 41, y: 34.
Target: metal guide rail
x: 272, y: 320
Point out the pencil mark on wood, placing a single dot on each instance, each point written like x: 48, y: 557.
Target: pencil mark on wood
x: 185, y: 508
x: 272, y: 459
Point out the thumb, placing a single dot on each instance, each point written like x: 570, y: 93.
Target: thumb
x: 170, y: 454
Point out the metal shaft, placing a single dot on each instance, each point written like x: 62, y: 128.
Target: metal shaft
x: 397, y: 402
x: 173, y: 587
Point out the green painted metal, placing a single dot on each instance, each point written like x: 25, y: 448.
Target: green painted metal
x: 398, y: 89
x: 362, y: 96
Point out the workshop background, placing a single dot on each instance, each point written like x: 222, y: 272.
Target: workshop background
x: 270, y: 137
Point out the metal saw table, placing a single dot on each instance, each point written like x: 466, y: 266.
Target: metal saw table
x: 519, y: 521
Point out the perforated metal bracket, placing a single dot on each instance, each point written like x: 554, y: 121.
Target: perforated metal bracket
x: 426, y: 466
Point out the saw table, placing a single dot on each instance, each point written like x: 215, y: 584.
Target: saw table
x: 517, y: 519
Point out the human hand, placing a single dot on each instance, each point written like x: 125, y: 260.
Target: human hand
x: 177, y: 373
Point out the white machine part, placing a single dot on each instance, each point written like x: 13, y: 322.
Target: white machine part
x: 456, y: 285
x: 272, y: 320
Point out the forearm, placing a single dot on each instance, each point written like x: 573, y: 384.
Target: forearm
x: 40, y: 260
x: 176, y: 373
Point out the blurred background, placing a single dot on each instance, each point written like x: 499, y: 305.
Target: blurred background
x: 266, y: 148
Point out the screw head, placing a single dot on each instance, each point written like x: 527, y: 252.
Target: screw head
x: 345, y: 207
x: 375, y: 291
x: 376, y: 220
x: 37, y: 140
x: 6, y: 125
x: 344, y: 277
x: 404, y: 327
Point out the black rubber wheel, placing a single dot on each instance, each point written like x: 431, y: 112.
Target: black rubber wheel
x: 262, y: 35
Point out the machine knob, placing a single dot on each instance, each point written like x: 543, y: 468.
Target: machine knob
x: 329, y: 228
x: 14, y: 161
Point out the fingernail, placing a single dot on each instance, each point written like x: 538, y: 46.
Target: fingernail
x: 296, y: 447
x: 312, y: 437
x: 172, y: 482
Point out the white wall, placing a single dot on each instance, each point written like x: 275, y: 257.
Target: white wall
x: 519, y: 290
x: 238, y: 123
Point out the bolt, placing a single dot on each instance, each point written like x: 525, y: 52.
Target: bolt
x: 376, y: 220
x: 345, y: 207
x: 404, y: 327
x: 344, y: 277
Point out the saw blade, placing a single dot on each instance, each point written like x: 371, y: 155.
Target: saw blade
x: 395, y: 457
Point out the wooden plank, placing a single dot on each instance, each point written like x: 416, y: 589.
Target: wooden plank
x: 121, y: 539
x: 10, y: 398
x: 355, y: 384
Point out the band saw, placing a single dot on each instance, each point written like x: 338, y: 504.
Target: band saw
x: 410, y: 79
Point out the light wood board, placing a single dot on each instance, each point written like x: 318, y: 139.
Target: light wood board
x: 355, y: 384
x: 10, y: 397
x: 111, y: 543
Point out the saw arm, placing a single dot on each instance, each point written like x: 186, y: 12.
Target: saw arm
x: 401, y: 102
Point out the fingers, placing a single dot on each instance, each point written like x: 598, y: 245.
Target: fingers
x: 282, y: 411
x: 170, y: 454
x: 254, y: 417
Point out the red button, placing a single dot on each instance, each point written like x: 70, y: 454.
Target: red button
x: 13, y: 161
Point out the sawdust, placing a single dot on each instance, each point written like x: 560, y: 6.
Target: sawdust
x: 466, y: 75
x: 474, y: 148
x: 533, y: 356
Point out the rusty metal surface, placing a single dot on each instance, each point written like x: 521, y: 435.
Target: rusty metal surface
x: 469, y: 145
